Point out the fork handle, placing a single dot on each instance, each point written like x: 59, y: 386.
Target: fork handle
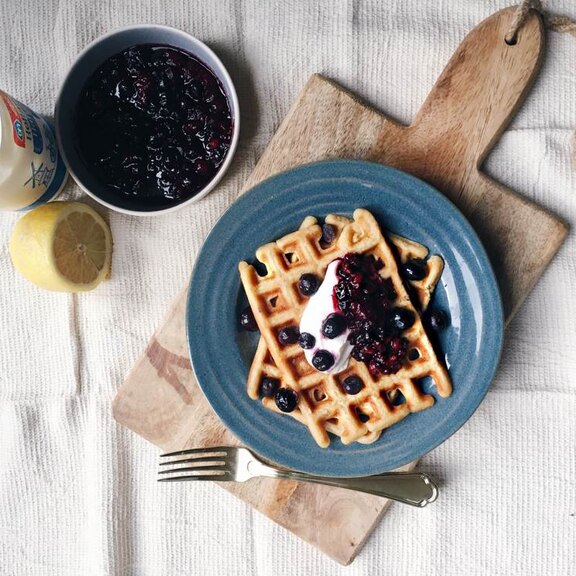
x: 414, y: 488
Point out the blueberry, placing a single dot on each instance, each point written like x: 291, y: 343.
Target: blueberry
x: 218, y: 105
x: 198, y: 115
x: 362, y: 338
x: 269, y: 386
x: 159, y: 137
x: 308, y: 284
x: 286, y: 399
x: 438, y: 320
x: 171, y: 159
x: 397, y: 344
x: 322, y: 360
x: 194, y: 87
x: 334, y: 325
x: 342, y: 292
x: 190, y: 128
x: 201, y: 166
x: 352, y: 385
x: 415, y: 269
x: 288, y: 335
x: 247, y: 320
x: 223, y: 127
x: 213, y: 143
x: 386, y: 331
x: 402, y: 318
x: 328, y: 233
x: 306, y: 341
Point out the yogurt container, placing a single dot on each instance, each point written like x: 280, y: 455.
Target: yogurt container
x: 32, y: 171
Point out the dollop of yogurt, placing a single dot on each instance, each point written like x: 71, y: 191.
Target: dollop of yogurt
x: 319, y: 307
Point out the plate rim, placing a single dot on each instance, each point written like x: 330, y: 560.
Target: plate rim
x: 479, y: 251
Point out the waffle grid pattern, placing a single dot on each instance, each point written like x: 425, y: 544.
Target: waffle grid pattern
x: 323, y: 405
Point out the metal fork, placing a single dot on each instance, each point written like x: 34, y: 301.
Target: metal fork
x: 226, y: 463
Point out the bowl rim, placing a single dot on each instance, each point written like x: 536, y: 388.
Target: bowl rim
x: 220, y: 71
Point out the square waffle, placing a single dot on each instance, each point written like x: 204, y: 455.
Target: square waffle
x: 276, y: 302
x: 263, y: 364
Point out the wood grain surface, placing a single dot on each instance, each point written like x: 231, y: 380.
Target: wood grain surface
x: 470, y: 105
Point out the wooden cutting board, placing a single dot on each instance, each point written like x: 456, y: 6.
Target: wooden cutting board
x: 468, y: 108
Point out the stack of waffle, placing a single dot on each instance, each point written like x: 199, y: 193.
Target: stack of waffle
x: 323, y: 405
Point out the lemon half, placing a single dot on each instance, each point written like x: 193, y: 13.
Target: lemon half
x: 62, y: 246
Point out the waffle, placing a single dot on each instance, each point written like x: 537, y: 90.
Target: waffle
x: 263, y: 364
x: 276, y: 302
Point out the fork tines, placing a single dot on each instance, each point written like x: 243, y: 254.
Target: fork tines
x: 201, y: 464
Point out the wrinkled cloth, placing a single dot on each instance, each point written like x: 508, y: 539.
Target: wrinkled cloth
x: 78, y: 494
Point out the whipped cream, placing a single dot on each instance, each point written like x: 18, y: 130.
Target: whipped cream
x: 319, y: 307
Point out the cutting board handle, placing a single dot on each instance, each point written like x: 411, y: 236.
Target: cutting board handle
x: 478, y: 93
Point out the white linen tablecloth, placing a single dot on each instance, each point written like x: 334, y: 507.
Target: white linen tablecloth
x: 78, y: 494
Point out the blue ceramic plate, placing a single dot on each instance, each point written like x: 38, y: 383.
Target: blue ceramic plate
x: 221, y: 354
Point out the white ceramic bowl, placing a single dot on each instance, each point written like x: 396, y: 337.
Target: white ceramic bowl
x: 86, y: 63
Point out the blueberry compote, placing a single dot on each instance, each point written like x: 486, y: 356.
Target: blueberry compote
x: 367, y: 301
x: 154, y: 124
